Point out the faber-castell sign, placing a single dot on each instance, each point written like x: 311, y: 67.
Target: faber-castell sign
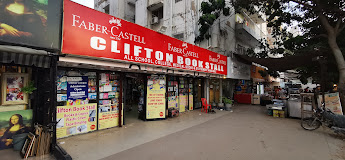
x: 88, y: 32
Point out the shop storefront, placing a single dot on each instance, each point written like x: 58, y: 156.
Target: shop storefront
x: 28, y: 58
x: 25, y: 95
x: 117, y: 71
x: 238, y: 82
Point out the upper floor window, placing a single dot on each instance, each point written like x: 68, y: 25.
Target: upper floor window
x: 158, y: 13
x: 179, y: 36
x: 106, y: 9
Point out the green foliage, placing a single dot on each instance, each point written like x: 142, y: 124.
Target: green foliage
x: 227, y: 100
x: 272, y: 73
x: 281, y: 14
x: 29, y: 88
x: 211, y: 11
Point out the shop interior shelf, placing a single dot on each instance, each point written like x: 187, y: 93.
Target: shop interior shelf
x: 108, y: 104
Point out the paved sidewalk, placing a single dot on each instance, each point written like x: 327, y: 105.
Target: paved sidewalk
x: 101, y: 144
x: 245, y: 134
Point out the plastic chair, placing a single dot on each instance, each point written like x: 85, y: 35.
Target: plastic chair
x: 205, y: 106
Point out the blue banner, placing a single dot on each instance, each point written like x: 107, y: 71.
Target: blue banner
x: 77, y: 88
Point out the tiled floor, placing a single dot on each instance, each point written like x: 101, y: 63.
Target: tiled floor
x: 104, y: 143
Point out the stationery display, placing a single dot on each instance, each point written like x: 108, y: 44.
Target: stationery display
x: 109, y: 93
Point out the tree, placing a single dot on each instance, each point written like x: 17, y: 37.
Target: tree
x: 322, y: 23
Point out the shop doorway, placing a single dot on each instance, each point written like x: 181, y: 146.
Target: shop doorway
x: 214, y: 91
x: 134, y: 97
x: 198, y: 92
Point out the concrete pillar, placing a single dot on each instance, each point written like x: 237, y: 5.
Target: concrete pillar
x: 220, y: 90
x: 207, y: 89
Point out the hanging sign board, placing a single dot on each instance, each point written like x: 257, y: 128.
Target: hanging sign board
x: 87, y: 32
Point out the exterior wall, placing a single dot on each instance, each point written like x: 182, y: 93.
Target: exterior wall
x: 124, y: 9
x: 238, y: 70
x: 182, y: 18
x: 255, y: 72
x: 140, y: 11
x: 178, y: 18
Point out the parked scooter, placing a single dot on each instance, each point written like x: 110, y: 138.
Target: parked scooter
x: 326, y: 117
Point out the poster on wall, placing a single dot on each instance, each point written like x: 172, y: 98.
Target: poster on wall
x: 183, y: 102
x: 190, y: 102
x: 172, y: 102
x: 12, y: 83
x: 155, y: 106
x: 13, y: 123
x: 76, y: 119
x: 31, y: 23
x: 77, y: 88
x: 108, y: 116
x: 332, y: 102
x: 62, y: 83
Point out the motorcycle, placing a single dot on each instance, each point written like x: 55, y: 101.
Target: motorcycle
x: 326, y: 117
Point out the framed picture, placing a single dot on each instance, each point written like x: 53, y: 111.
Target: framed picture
x: 11, y: 88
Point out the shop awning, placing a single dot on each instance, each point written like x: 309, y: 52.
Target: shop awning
x: 25, y: 59
x: 281, y: 64
x: 24, y: 56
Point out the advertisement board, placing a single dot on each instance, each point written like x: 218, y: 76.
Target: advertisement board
x: 190, y: 102
x: 155, y: 106
x: 76, y: 119
x: 87, y: 32
x: 332, y: 102
x: 77, y: 88
x: 183, y: 102
x: 33, y: 23
x: 13, y: 123
x: 172, y: 102
x: 108, y: 117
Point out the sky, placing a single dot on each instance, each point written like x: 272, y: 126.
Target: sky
x: 88, y: 3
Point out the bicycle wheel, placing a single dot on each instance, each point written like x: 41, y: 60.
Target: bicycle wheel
x: 310, y: 124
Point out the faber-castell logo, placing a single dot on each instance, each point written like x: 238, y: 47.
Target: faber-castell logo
x: 184, y: 45
x: 182, y: 50
x: 116, y: 34
x: 116, y: 22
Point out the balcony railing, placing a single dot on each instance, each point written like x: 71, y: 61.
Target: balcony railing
x: 250, y: 26
x: 154, y: 4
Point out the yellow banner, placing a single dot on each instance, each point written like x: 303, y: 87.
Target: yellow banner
x: 75, y: 119
x: 172, y: 102
x: 155, y: 105
x: 190, y: 102
x: 108, y: 118
x: 183, y: 102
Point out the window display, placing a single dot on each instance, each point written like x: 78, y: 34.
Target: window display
x: 173, y: 92
x: 108, y: 105
x: 183, y: 94
x: 76, y: 110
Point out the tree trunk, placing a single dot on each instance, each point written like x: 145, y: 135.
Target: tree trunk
x: 338, y: 55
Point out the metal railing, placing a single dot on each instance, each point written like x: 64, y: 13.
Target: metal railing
x: 252, y: 27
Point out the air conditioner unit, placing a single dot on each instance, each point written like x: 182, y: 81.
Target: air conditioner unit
x: 154, y: 20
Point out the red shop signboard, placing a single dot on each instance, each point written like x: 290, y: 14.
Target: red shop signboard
x: 88, y: 32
